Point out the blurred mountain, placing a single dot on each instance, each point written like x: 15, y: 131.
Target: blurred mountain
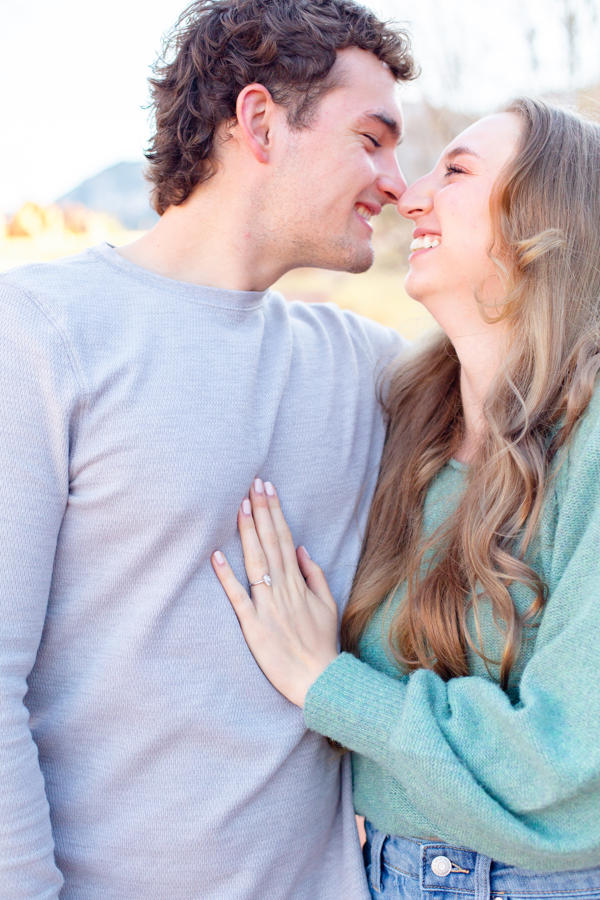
x: 121, y: 191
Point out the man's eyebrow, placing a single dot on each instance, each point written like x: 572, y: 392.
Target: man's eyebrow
x: 392, y: 126
x: 461, y: 151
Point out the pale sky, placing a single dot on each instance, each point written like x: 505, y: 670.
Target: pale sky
x: 73, y: 73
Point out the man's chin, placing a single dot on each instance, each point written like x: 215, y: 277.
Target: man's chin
x: 360, y: 265
x: 353, y: 261
x: 337, y: 256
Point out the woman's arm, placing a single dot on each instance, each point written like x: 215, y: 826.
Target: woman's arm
x: 519, y: 782
x: 516, y: 782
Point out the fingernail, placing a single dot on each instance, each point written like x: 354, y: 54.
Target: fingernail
x: 258, y: 486
x: 306, y: 551
x: 219, y: 557
x: 269, y: 489
x: 246, y: 508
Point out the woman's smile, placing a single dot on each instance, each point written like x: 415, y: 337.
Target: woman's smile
x: 425, y: 242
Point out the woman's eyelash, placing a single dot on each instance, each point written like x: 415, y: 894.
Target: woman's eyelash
x: 371, y: 138
x: 452, y: 169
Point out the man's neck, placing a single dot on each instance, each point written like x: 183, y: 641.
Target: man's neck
x: 210, y: 242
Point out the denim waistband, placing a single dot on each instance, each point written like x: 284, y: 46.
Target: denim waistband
x: 441, y: 866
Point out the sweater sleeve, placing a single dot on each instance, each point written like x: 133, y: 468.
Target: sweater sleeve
x: 37, y: 389
x: 518, y: 782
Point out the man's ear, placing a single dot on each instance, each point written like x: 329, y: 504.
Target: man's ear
x: 254, y: 112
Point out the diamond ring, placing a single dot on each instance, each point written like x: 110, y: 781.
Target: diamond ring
x: 266, y: 579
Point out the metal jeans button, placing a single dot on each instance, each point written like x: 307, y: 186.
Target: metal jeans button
x: 441, y: 866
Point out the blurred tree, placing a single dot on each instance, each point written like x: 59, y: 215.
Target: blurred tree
x: 474, y: 56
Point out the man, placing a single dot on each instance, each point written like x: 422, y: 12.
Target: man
x: 143, y: 754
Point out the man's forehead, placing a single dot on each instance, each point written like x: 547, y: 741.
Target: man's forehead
x: 360, y: 72
x: 365, y: 92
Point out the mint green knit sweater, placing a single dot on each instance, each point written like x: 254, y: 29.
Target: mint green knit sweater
x: 516, y: 775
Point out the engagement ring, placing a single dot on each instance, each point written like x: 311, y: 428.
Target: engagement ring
x: 266, y: 579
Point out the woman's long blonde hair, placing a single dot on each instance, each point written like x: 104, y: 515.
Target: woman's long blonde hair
x: 545, y: 210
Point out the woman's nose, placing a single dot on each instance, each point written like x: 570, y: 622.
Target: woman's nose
x: 416, y: 200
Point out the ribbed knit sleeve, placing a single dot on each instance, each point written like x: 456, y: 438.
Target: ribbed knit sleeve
x: 359, y: 702
x: 519, y: 782
x: 37, y: 391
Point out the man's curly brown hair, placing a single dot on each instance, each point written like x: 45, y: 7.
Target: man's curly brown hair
x: 219, y: 46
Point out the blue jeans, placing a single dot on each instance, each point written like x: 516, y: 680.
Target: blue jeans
x: 403, y: 869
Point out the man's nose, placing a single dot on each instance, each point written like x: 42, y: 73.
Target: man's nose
x: 392, y: 183
x: 416, y: 200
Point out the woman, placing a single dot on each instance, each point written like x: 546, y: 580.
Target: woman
x: 469, y: 690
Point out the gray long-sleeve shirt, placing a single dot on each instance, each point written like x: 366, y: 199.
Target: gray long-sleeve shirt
x: 136, y: 731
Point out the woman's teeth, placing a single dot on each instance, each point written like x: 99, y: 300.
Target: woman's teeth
x: 364, y: 211
x: 427, y: 242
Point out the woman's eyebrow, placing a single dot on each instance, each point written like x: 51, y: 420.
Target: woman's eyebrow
x: 461, y: 151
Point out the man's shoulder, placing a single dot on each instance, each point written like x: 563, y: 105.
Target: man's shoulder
x: 59, y: 278
x: 342, y: 326
x: 64, y: 267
